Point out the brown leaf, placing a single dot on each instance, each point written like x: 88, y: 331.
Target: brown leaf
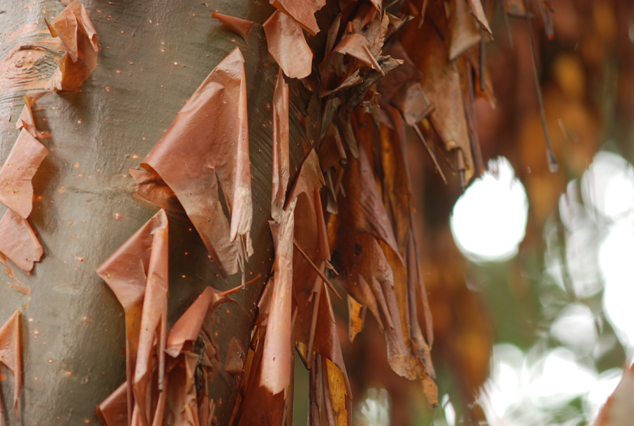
x: 287, y: 45
x: 240, y: 26
x: 303, y: 11
x: 280, y: 148
x: 10, y: 355
x: 18, y: 241
x: 212, y: 157
x: 16, y: 189
x: 276, y: 366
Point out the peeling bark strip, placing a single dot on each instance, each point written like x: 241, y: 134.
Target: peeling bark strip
x: 18, y: 241
x: 76, y: 31
x: 288, y: 46
x: 179, y: 401
x: 16, y: 189
x: 239, y: 26
x: 137, y: 274
x: 301, y: 11
x: 10, y: 356
x: 281, y: 168
x: 207, y: 146
x: 276, y: 360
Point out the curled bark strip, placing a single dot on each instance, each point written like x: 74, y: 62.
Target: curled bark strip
x: 478, y: 12
x: 303, y: 11
x: 76, y: 31
x: 18, y: 241
x: 137, y: 274
x: 16, y: 189
x: 287, y: 45
x: 276, y: 366
x: 242, y: 27
x: 280, y: 148
x: 10, y: 356
x: 26, y: 120
x: 207, y: 146
x: 114, y: 409
x: 356, y: 46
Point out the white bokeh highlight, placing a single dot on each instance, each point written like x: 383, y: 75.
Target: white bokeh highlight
x: 489, y: 220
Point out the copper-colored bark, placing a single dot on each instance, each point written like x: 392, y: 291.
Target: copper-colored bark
x: 287, y: 45
x: 207, y: 146
x: 16, y: 189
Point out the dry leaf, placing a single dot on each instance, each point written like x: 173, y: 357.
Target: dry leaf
x: 287, y: 45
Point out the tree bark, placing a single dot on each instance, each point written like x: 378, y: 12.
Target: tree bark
x: 154, y: 55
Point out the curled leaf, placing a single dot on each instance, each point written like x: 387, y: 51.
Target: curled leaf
x: 287, y: 45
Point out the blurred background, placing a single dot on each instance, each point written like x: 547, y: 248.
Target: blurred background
x: 530, y: 274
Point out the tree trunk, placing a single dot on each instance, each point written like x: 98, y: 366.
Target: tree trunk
x: 154, y: 55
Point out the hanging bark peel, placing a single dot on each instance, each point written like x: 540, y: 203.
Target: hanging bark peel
x: 242, y: 27
x: 287, y: 45
x: 16, y: 189
x: 11, y: 356
x: 214, y: 158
